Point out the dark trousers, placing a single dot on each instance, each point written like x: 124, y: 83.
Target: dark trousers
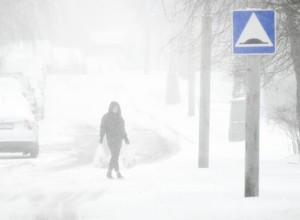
x: 115, y: 153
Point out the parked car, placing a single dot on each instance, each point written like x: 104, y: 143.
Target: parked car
x: 10, y: 84
x: 18, y: 127
x: 17, y: 81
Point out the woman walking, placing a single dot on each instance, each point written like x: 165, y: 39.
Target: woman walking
x: 113, y: 126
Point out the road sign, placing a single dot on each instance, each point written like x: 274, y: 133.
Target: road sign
x: 254, y: 32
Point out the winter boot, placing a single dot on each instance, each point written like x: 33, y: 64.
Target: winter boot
x: 109, y: 175
x: 119, y: 176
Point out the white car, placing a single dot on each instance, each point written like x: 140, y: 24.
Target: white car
x: 18, y: 127
x: 19, y: 83
x: 10, y: 84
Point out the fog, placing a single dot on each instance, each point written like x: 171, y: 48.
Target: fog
x: 138, y: 110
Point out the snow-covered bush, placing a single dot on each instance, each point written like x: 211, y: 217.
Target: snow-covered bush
x: 285, y: 116
x: 279, y: 106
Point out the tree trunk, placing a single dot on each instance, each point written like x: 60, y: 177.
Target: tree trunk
x: 293, y: 19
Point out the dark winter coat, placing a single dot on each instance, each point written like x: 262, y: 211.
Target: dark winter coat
x: 113, y: 126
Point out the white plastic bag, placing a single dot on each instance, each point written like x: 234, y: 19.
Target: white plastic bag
x: 128, y: 157
x: 102, y: 156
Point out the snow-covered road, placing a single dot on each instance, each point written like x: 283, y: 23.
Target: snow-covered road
x: 69, y: 137
x: 62, y: 184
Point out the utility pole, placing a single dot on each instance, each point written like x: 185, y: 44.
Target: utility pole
x: 205, y: 72
x: 191, y: 71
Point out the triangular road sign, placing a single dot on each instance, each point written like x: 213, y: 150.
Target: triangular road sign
x: 254, y: 32
x: 254, y: 35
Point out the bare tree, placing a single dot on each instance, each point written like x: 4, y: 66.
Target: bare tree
x: 284, y: 63
x: 23, y: 20
x: 293, y: 21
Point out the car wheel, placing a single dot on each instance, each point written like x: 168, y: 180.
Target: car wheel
x: 33, y: 155
x: 35, y: 152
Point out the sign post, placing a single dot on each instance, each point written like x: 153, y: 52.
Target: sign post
x: 252, y: 126
x: 253, y: 35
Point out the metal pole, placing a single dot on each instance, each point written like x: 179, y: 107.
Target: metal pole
x: 191, y: 72
x: 205, y: 72
x: 252, y: 126
x: 192, y: 89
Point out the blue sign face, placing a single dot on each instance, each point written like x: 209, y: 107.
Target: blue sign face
x: 254, y: 32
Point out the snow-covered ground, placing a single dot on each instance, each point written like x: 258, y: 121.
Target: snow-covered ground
x: 63, y: 184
